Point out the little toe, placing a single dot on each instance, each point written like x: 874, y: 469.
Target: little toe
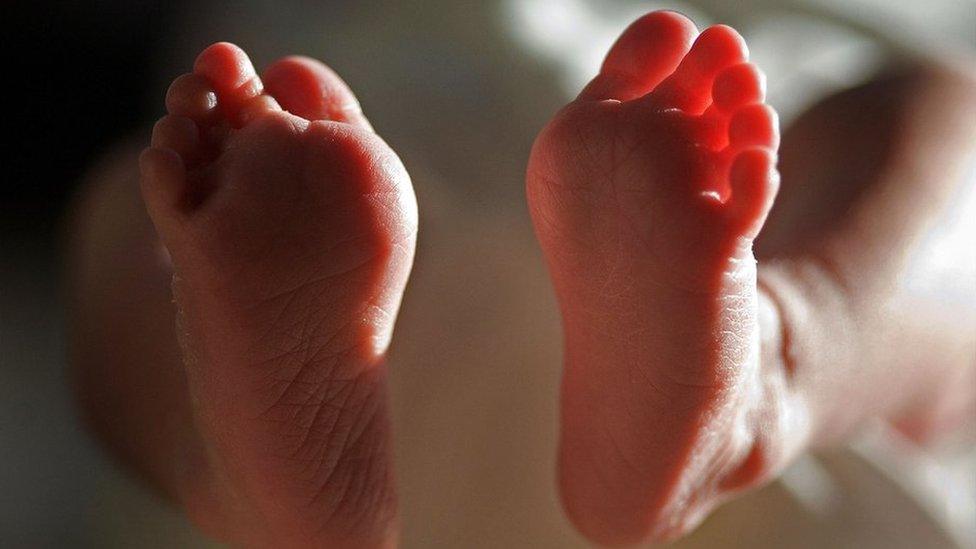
x: 689, y: 88
x: 308, y: 88
x: 231, y: 73
x: 192, y: 96
x: 645, y: 54
x: 738, y: 85
x: 163, y: 179
x: 179, y: 134
x: 754, y: 181
x: 755, y: 125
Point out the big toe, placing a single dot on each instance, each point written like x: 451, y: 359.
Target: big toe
x: 645, y: 54
x: 308, y: 88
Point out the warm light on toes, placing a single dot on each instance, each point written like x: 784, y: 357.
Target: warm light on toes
x: 754, y: 126
x: 690, y: 87
x: 225, y: 65
x: 753, y: 182
x: 720, y: 45
x: 739, y: 85
x: 651, y: 47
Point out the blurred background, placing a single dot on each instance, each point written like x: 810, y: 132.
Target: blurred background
x: 459, y: 89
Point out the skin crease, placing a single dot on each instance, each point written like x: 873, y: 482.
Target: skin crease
x: 129, y: 374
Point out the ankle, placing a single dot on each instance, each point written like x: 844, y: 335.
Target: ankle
x: 774, y: 427
x: 809, y: 318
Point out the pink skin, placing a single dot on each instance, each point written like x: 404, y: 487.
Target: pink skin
x: 291, y: 235
x: 643, y: 191
x: 688, y: 374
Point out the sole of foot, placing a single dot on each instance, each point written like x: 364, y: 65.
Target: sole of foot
x: 646, y: 193
x: 291, y: 227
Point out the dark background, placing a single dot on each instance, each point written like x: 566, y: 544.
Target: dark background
x: 76, y: 80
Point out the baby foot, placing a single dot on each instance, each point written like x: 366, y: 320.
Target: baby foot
x: 646, y: 193
x: 291, y: 228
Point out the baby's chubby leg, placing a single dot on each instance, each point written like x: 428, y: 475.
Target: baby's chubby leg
x: 290, y: 226
x: 872, y: 180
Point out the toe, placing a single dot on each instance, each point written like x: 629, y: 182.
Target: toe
x: 734, y: 87
x: 192, y: 96
x: 754, y: 181
x: 227, y: 67
x: 179, y: 134
x: 738, y: 85
x: 162, y: 180
x: 644, y: 55
x: 308, y: 88
x: 229, y: 70
x: 754, y: 125
x: 689, y: 88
